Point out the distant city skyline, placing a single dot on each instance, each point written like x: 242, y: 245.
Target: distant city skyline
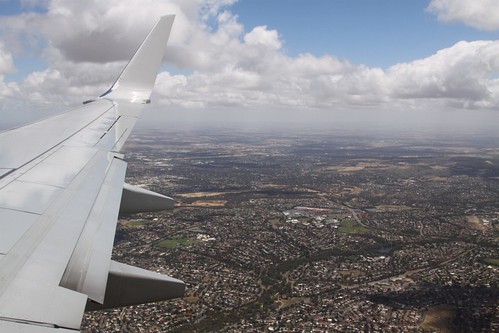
x: 259, y: 59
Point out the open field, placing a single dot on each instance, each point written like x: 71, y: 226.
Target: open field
x: 135, y: 224
x: 174, y: 242
x: 440, y: 318
x: 284, y: 303
x: 492, y: 261
x: 200, y: 194
x: 476, y: 223
x: 393, y: 208
x: 352, y: 227
x: 206, y: 203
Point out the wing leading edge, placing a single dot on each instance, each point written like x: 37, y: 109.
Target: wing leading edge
x: 61, y: 187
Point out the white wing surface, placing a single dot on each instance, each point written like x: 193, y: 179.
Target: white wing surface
x: 61, y: 188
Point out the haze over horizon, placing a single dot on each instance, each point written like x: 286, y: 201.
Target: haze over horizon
x: 391, y: 65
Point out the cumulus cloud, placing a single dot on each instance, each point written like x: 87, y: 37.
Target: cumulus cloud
x: 261, y: 36
x: 463, y: 75
x: 6, y: 66
x: 462, y: 72
x: 226, y: 65
x: 480, y: 14
x: 6, y: 62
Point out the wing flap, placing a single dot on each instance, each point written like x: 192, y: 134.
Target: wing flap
x: 48, y: 244
x: 35, y: 264
x: 87, y: 270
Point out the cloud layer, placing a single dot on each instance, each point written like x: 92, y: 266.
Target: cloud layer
x: 223, y: 65
x: 480, y: 14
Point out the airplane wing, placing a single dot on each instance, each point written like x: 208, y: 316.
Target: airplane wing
x: 61, y: 190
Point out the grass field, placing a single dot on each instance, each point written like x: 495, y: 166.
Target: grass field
x: 352, y: 227
x: 135, y: 224
x: 174, y: 242
x: 492, y: 261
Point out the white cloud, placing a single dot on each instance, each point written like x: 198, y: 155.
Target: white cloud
x: 6, y: 66
x: 6, y: 62
x: 86, y: 44
x: 480, y: 14
x: 261, y: 36
x: 464, y: 73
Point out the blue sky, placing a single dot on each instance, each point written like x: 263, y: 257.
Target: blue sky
x: 10, y: 7
x: 371, y: 32
x: 15, y: 7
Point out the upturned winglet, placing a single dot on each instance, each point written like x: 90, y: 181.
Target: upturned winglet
x: 137, y: 79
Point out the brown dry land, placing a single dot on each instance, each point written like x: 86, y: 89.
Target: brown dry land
x: 436, y: 178
x: 206, y: 203
x: 358, y: 167
x: 272, y: 186
x: 200, y: 194
x: 476, y: 223
x: 353, y: 190
x: 393, y: 208
x: 283, y: 303
x: 440, y: 318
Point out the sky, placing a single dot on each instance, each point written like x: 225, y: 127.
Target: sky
x: 359, y: 63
